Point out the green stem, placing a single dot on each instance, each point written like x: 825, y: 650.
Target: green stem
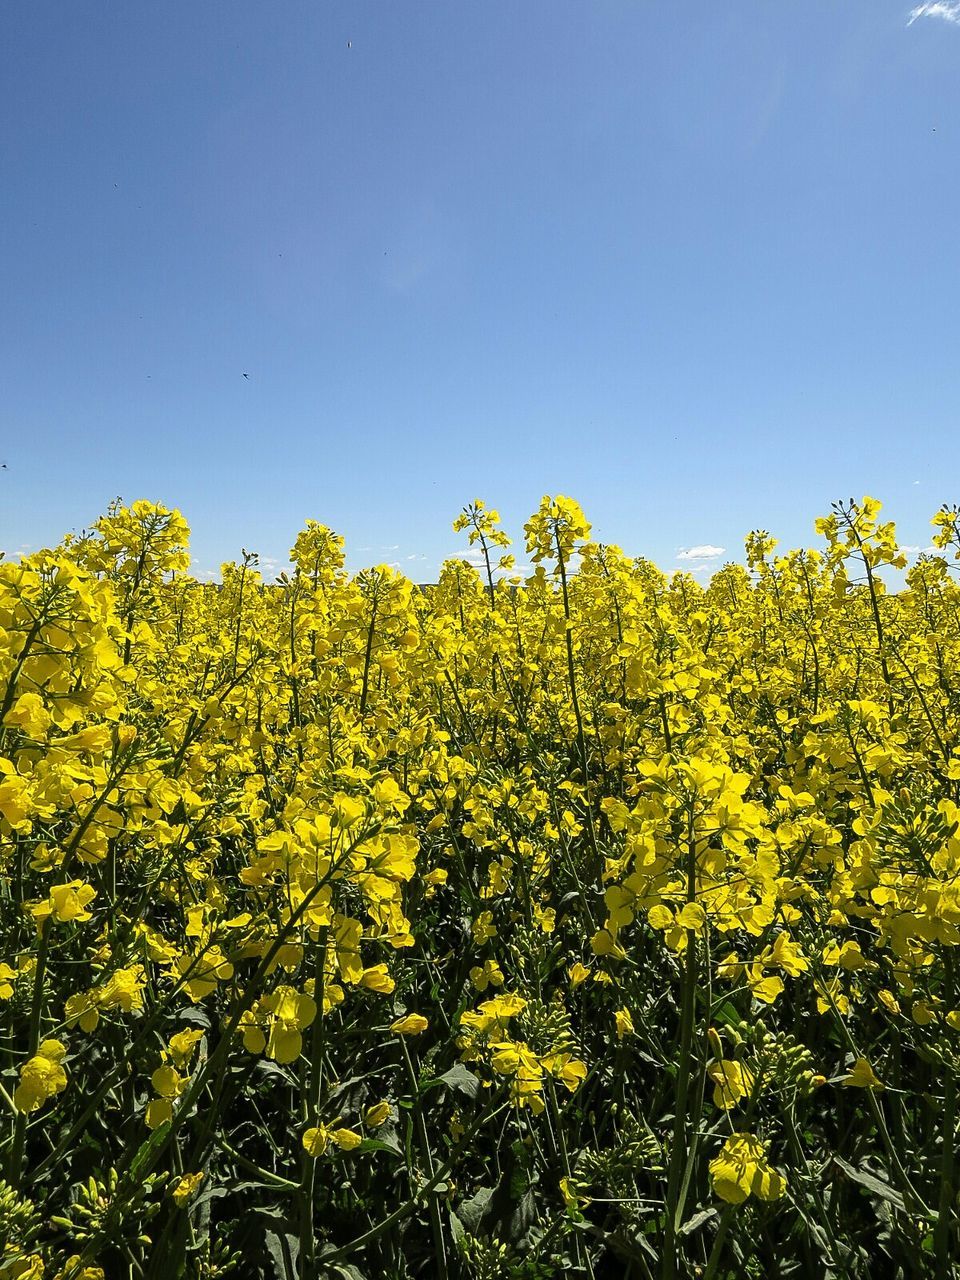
x: 15, y: 1168
x: 424, y: 1142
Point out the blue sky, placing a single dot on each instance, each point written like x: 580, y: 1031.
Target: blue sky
x: 695, y: 264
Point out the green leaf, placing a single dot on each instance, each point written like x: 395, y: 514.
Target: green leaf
x: 459, y: 1078
x: 381, y: 1144
x: 283, y: 1247
x: 140, y: 1165
x: 697, y: 1220
x: 457, y: 1229
x: 870, y: 1182
x: 472, y: 1211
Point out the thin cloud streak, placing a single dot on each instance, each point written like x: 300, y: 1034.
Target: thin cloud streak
x: 948, y: 10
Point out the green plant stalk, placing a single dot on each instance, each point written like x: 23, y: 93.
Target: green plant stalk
x: 308, y: 1164
x: 404, y: 1211
x: 946, y: 1213
x: 424, y: 1141
x: 679, y: 1154
x: 15, y: 1166
x: 678, y: 1148
x: 578, y: 715
x: 701, y: 1087
x: 907, y: 1189
x: 368, y: 654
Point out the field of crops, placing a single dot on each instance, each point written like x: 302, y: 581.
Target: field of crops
x: 599, y: 924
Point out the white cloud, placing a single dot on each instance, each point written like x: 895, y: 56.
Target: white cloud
x: 706, y: 551
x: 948, y: 10
x: 416, y: 556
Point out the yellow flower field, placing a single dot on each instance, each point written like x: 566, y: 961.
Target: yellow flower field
x: 594, y: 924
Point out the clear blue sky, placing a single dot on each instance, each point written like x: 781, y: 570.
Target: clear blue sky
x: 694, y: 264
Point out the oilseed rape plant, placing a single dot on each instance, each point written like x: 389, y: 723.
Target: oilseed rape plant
x: 596, y: 923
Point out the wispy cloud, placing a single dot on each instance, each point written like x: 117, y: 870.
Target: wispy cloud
x: 948, y: 10
x: 706, y: 551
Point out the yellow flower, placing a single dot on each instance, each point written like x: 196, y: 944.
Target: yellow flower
x: 29, y: 714
x: 488, y: 975
x: 578, y: 973
x: 861, y: 1076
x: 741, y: 1169
x: 515, y: 1059
x: 8, y: 977
x: 412, y: 1025
x: 763, y: 987
x: 573, y: 1199
x: 182, y: 1045
x: 376, y: 978
x: 570, y: 1071
x: 546, y: 919
x: 75, y: 1269
x: 604, y: 943
x: 186, y: 1187
x: 316, y: 1140
x: 692, y: 917
x: 123, y: 989
x: 483, y: 927
x: 82, y: 1008
x: 787, y: 955
x: 168, y: 1082
x: 660, y: 917
x: 30, y: 1267
x: 731, y: 1082
x: 159, y: 1111
x: 346, y: 1139
x: 41, y: 1077
x: 624, y: 1023
x: 375, y: 1116
x: 66, y: 903
x: 284, y: 1013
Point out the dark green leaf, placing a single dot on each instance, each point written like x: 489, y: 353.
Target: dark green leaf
x: 471, y: 1211
x: 140, y: 1165
x: 459, y: 1078
x: 870, y: 1182
x: 697, y: 1220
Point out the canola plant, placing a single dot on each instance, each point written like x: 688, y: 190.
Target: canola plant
x: 592, y: 924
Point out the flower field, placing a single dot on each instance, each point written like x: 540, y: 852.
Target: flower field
x: 595, y: 924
